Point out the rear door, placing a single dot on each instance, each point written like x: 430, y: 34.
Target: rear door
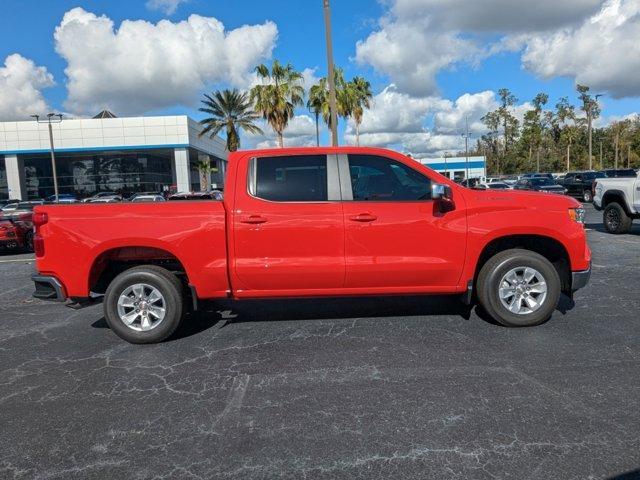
x: 288, y: 226
x: 395, y: 238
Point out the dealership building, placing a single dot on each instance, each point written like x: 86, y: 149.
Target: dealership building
x: 455, y: 168
x: 105, y: 153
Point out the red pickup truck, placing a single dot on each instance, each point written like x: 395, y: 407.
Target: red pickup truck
x: 314, y: 222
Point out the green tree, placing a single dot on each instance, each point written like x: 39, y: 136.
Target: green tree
x: 278, y: 95
x: 315, y: 103
x: 229, y: 110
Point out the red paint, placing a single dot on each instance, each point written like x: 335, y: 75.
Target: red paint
x: 248, y: 247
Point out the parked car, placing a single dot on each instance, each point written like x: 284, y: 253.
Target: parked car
x: 537, y: 175
x: 539, y: 184
x: 106, y: 199
x: 314, y: 222
x: 25, y: 207
x: 148, y: 198
x: 16, y: 232
x: 142, y: 194
x: 62, y: 198
x: 579, y: 184
x: 620, y: 200
x: 213, y: 195
x: 99, y: 195
x: 7, y: 202
x: 498, y: 186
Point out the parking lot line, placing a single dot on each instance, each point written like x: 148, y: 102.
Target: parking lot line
x: 19, y: 260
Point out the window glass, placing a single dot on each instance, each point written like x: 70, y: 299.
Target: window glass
x: 298, y: 178
x: 380, y: 179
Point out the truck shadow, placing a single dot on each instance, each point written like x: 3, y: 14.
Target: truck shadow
x: 223, y: 313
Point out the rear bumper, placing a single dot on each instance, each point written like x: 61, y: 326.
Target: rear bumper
x: 580, y: 279
x: 48, y: 288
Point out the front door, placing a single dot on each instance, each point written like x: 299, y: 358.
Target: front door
x: 395, y: 237
x: 288, y: 227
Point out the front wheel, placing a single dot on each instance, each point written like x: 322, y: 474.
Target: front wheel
x: 615, y: 219
x: 144, y: 304
x: 519, y: 288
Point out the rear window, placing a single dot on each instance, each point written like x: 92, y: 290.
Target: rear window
x: 295, y: 178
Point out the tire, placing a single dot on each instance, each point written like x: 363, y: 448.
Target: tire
x: 148, y: 323
x: 587, y: 196
x: 615, y: 219
x: 491, y: 284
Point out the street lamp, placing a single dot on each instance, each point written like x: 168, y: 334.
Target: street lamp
x: 51, y: 118
x: 466, y: 146
x: 331, y: 75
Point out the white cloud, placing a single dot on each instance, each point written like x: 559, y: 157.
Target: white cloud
x: 603, y: 52
x: 21, y: 82
x: 169, y: 7
x: 301, y: 132
x: 412, y: 54
x: 425, y: 126
x: 143, y: 66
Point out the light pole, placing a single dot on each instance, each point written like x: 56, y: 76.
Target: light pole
x: 51, y: 119
x: 466, y: 147
x: 332, y: 80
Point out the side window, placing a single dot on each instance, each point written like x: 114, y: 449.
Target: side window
x: 381, y: 179
x: 296, y: 178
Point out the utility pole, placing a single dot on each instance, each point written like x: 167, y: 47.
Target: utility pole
x: 50, y: 119
x: 331, y: 74
x: 446, y: 170
x: 601, y: 164
x: 466, y: 146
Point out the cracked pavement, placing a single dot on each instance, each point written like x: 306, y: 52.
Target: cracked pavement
x: 399, y: 387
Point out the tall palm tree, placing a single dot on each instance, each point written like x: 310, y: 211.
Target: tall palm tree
x: 317, y: 100
x: 231, y: 110
x: 360, y: 98
x: 278, y: 95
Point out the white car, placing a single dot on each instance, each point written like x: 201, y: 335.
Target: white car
x: 620, y: 200
x: 148, y: 198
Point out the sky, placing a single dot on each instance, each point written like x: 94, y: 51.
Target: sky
x: 431, y: 63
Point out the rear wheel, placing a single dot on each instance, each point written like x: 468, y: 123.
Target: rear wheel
x: 519, y: 288
x: 615, y: 219
x: 28, y: 242
x: 144, y: 304
x: 587, y: 196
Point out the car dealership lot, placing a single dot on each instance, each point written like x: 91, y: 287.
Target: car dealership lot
x: 399, y: 387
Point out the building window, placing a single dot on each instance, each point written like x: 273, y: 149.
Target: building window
x: 85, y: 174
x: 4, y: 189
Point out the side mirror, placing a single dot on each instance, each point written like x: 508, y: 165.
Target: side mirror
x: 440, y: 191
x: 443, y: 198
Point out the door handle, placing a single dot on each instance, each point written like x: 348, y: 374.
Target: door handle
x: 254, y: 219
x: 363, y: 217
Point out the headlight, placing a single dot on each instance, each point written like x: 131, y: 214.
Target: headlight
x: 577, y: 214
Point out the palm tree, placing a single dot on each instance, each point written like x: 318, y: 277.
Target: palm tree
x: 317, y: 100
x: 231, y: 110
x: 360, y: 98
x: 204, y: 169
x: 279, y: 94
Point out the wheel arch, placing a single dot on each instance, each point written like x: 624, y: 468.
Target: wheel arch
x: 549, y: 247
x: 617, y: 196
x: 111, y: 262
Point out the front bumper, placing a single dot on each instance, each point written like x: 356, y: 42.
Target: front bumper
x: 580, y: 279
x: 48, y: 288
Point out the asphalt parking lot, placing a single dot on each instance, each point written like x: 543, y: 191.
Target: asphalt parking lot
x: 398, y: 388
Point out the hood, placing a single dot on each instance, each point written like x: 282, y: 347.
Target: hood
x: 522, y: 199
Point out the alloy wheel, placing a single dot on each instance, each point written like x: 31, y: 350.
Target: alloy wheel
x: 522, y: 290
x: 141, y: 307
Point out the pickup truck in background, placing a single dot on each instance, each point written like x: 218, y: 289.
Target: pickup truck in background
x: 619, y: 198
x: 579, y: 184
x: 313, y: 222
